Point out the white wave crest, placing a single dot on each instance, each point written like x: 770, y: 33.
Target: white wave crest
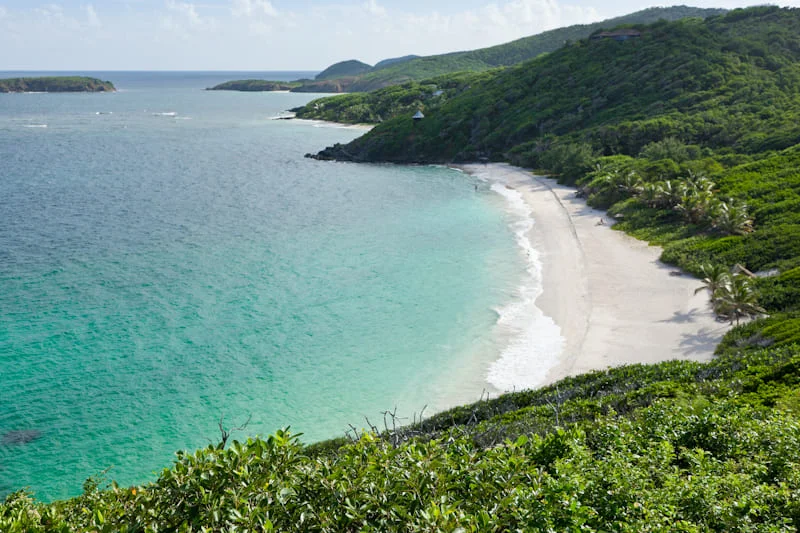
x: 534, y: 340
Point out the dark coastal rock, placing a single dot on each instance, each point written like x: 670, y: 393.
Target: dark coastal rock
x: 337, y: 152
x: 19, y: 437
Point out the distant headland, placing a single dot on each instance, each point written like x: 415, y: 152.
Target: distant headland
x: 256, y: 85
x: 55, y: 84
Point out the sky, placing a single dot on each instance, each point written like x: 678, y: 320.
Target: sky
x: 275, y: 34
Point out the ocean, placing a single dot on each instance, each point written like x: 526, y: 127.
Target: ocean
x: 170, y: 260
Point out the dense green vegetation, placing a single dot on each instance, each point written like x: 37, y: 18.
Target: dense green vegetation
x: 342, y: 69
x: 514, y: 52
x: 393, y: 61
x: 255, y: 85
x: 383, y: 99
x: 55, y: 84
x: 383, y: 104
x: 727, y: 83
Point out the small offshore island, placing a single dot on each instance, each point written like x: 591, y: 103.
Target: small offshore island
x: 56, y: 84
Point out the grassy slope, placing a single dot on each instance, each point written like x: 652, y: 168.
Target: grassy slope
x: 55, y: 84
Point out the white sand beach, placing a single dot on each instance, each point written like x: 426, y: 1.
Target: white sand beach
x: 329, y: 124
x: 613, y: 300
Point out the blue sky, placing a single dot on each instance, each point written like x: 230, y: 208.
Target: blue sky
x: 273, y: 34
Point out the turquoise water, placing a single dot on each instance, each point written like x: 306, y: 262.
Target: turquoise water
x: 168, y: 257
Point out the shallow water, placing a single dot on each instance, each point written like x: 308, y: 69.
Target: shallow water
x: 168, y: 258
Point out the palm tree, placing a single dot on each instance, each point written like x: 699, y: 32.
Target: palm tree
x: 629, y: 183
x: 732, y: 218
x: 736, y: 299
x: 700, y: 183
x: 670, y: 193
x: 649, y: 194
x: 696, y: 205
x: 714, y: 278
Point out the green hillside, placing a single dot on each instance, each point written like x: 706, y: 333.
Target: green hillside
x: 355, y: 76
x: 429, y: 74
x: 343, y: 69
x: 55, y: 84
x: 514, y: 52
x: 383, y: 104
x: 393, y: 61
x: 729, y: 82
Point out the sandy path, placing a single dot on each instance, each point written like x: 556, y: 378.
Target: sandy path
x: 614, y: 301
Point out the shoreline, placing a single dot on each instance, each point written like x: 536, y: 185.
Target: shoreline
x: 612, y: 299
x: 318, y: 123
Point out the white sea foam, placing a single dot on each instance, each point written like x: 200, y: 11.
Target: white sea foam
x: 35, y: 126
x: 337, y: 125
x: 534, y: 341
x: 166, y: 114
x: 333, y: 125
x: 283, y: 116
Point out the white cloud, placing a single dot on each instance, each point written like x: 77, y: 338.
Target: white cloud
x: 50, y: 11
x: 260, y: 28
x: 183, y: 16
x: 247, y: 8
x: 186, y: 10
x: 91, y: 16
x: 373, y: 8
x: 495, y: 23
x: 3, y: 12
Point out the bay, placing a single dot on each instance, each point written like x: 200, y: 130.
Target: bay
x: 169, y: 258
